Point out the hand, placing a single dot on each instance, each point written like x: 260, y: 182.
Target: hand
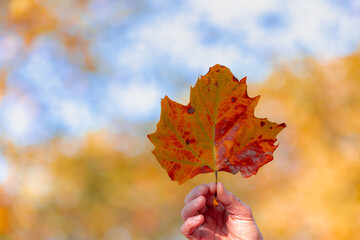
x: 231, y: 219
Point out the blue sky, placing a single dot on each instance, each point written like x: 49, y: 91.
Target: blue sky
x: 146, y: 49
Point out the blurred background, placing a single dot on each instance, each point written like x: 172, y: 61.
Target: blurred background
x: 80, y: 88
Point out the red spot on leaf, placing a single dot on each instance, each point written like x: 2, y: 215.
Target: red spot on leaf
x: 200, y: 153
x: 262, y: 123
x: 190, y: 110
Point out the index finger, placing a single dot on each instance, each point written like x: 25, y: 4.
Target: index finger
x: 197, y: 191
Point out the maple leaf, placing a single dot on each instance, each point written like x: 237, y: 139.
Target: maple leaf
x: 216, y: 131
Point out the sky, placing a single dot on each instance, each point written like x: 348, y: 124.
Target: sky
x: 156, y: 48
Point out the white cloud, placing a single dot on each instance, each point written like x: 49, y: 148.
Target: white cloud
x: 174, y: 40
x: 12, y: 45
x: 135, y: 100
x: 317, y: 27
x: 134, y: 58
x: 324, y: 30
x: 18, y: 119
x: 231, y: 14
x: 75, y: 115
x: 177, y: 38
x: 18, y: 116
x: 172, y: 37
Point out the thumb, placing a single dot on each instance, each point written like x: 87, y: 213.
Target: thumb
x: 232, y: 204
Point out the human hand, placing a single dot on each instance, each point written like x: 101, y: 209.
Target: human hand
x: 231, y: 219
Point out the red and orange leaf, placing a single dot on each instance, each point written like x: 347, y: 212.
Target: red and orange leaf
x: 216, y: 131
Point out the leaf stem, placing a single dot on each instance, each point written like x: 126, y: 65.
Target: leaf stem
x: 216, y: 177
x: 215, y: 203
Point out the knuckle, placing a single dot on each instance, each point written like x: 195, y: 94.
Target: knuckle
x: 233, y: 198
x: 247, y: 210
x: 201, y: 188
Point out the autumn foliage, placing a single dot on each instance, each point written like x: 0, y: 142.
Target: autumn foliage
x: 314, y: 179
x: 216, y: 131
x: 107, y: 185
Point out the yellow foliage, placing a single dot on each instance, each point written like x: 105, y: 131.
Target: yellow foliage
x: 30, y: 18
x: 320, y: 104
x: 4, y: 221
x: 34, y: 18
x: 3, y: 77
x: 104, y: 187
x: 21, y: 9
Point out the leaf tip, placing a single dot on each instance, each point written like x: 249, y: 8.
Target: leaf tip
x: 254, y: 100
x: 243, y: 80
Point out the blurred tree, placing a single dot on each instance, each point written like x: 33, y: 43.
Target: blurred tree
x: 90, y: 193
x: 2, y: 83
x: 32, y: 19
x: 71, y: 189
x: 4, y: 214
x: 321, y: 105
x: 104, y: 187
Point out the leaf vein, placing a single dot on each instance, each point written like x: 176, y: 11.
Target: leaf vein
x: 183, y: 143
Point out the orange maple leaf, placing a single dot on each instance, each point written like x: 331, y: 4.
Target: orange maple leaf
x: 216, y: 131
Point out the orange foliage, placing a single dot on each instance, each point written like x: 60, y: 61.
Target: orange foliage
x: 33, y: 18
x: 3, y: 77
x: 30, y: 18
x: 76, y: 189
x: 320, y: 103
x: 4, y: 220
x: 216, y: 131
x: 93, y: 186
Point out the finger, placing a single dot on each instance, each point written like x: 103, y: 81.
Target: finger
x: 192, y: 207
x: 232, y: 204
x: 189, y: 227
x: 212, y: 188
x: 210, y: 195
x: 197, y: 191
x: 203, y: 209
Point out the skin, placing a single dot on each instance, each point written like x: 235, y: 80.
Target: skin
x: 232, y: 219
